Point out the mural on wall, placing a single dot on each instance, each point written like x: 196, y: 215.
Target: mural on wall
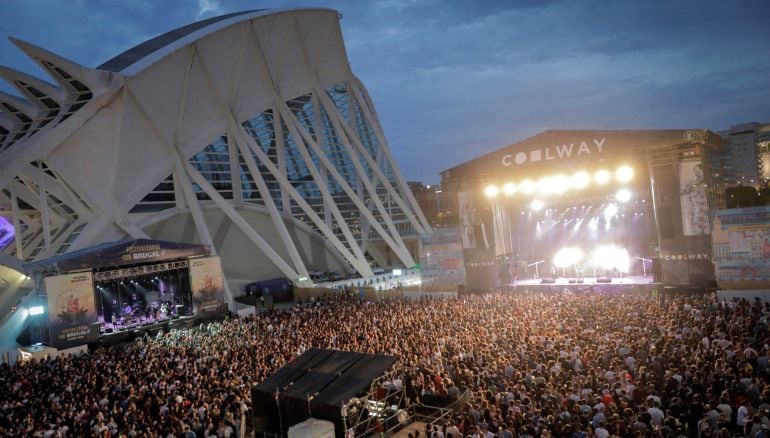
x: 741, y: 247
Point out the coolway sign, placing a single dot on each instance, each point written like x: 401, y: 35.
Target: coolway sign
x: 556, y: 152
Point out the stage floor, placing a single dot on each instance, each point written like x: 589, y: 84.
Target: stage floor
x: 630, y: 284
x: 121, y: 334
x: 630, y: 280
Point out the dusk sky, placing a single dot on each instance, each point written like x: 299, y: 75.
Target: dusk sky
x: 453, y: 80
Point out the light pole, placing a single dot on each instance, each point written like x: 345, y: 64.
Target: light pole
x: 644, y: 266
x: 537, y: 275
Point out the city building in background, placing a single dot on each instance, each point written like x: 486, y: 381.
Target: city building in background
x: 247, y: 133
x: 544, y: 207
x: 428, y: 199
x: 747, y: 155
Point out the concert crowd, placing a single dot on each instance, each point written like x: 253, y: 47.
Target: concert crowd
x: 567, y: 365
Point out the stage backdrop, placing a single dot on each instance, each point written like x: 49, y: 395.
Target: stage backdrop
x: 741, y: 240
x: 71, y: 309
x: 207, y: 287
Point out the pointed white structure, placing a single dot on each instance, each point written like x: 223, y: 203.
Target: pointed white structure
x: 247, y: 132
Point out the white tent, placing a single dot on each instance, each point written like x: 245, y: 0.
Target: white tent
x: 312, y: 427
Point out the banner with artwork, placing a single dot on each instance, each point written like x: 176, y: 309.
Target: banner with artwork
x: 71, y: 309
x: 441, y: 257
x: 467, y: 219
x: 741, y: 246
x: 692, y: 197
x: 207, y: 287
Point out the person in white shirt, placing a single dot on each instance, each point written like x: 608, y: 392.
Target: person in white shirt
x: 453, y: 431
x: 741, y: 415
x: 601, y: 431
x: 656, y: 414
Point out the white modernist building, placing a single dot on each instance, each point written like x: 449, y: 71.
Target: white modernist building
x: 246, y: 132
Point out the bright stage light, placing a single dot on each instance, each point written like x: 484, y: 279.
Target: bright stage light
x: 623, y: 195
x: 624, y: 174
x: 610, y: 211
x: 509, y: 188
x: 602, y: 177
x: 568, y: 256
x: 545, y: 185
x: 580, y: 180
x: 527, y: 186
x: 491, y: 191
x: 611, y: 257
x: 537, y: 205
x: 36, y: 310
x: 559, y: 184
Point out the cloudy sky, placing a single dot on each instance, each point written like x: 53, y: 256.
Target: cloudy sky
x: 454, y: 79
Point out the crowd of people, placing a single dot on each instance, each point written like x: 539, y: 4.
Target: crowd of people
x: 571, y: 365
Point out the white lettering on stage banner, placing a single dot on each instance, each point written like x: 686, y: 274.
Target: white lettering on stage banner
x: 700, y: 256
x: 556, y: 152
x: 141, y: 252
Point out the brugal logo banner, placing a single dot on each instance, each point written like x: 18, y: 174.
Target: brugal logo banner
x: 556, y: 152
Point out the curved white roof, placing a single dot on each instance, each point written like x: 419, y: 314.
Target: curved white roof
x: 235, y: 129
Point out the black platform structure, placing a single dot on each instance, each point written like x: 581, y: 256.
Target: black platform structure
x: 350, y: 389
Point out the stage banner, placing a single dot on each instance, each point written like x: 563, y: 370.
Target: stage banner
x: 692, y: 196
x: 467, y: 213
x: 207, y: 287
x: 71, y: 309
x: 481, y: 270
x: 441, y: 257
x: 741, y: 247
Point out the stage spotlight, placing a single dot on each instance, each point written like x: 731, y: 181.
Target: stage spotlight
x: 559, y: 184
x: 610, y: 211
x: 623, y: 195
x: 602, y: 177
x: 580, y: 180
x: 578, y: 223
x: 509, y: 188
x: 491, y: 191
x: 568, y: 256
x: 624, y: 174
x: 545, y: 185
x: 611, y: 257
x: 537, y: 205
x: 527, y: 186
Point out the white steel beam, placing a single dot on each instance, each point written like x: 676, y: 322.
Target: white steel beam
x: 239, y: 221
x: 43, y: 198
x: 363, y: 177
x: 237, y: 137
x: 299, y: 133
x: 359, y: 263
x: 405, y: 257
x: 357, y: 259
x: 385, y: 148
x: 16, y: 222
